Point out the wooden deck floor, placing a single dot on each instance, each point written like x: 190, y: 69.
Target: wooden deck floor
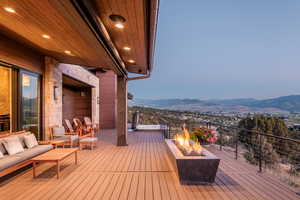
x: 139, y: 171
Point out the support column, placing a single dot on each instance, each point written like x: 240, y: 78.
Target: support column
x: 52, y: 106
x: 121, y: 111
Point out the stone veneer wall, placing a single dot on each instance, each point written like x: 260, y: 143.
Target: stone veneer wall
x: 53, y: 77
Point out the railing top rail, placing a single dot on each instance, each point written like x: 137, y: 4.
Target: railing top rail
x: 254, y: 131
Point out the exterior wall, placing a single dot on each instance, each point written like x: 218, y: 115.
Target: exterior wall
x: 16, y: 54
x: 81, y: 74
x: 75, y: 105
x: 53, y: 77
x: 108, y: 99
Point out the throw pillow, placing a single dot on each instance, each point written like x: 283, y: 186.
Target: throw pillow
x: 21, y: 138
x: 13, y: 145
x: 2, y: 148
x: 30, y: 140
x: 1, y: 155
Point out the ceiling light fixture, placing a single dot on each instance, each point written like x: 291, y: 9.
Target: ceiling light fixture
x: 68, y: 52
x: 119, y: 25
x: 9, y: 9
x: 118, y: 20
x: 127, y: 48
x: 131, y: 61
x: 46, y: 36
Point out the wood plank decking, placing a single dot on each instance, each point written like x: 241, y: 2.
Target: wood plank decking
x: 138, y: 171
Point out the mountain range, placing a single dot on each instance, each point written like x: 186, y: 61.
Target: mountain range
x: 282, y: 104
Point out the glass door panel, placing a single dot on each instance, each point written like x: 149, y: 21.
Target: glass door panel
x: 30, y: 106
x: 5, y: 99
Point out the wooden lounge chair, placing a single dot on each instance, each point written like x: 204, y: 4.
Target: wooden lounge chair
x: 88, y: 137
x: 59, y: 133
x: 80, y: 127
x: 90, y: 125
x: 70, y: 129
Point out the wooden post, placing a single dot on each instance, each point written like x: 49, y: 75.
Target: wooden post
x: 121, y: 111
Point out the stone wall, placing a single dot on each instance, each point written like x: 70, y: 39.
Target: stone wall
x: 53, y: 79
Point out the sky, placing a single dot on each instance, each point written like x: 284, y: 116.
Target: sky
x: 217, y: 49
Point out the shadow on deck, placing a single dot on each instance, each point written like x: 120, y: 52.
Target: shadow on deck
x: 139, y: 171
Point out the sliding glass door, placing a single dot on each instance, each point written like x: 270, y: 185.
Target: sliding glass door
x: 5, y: 99
x: 30, y: 102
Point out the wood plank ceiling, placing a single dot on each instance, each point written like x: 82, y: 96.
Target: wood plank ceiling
x: 59, y: 20
x: 133, y: 34
x: 69, y: 32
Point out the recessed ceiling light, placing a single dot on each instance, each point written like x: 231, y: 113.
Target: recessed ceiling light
x: 131, y: 61
x: 68, y: 52
x: 127, y: 48
x: 119, y: 25
x: 9, y: 9
x: 46, y: 36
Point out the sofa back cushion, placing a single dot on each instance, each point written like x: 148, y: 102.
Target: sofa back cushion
x: 21, y: 138
x: 30, y: 140
x: 13, y: 145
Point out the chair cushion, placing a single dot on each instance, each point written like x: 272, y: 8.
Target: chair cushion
x: 13, y: 145
x: 30, y: 140
x: 58, y: 131
x: 67, y: 138
x: 89, y: 139
x: 34, y: 151
x: 8, y: 161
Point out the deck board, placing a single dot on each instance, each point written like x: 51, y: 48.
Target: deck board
x: 141, y: 170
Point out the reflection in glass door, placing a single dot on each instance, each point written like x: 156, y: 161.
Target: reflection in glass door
x: 5, y: 99
x: 30, y: 106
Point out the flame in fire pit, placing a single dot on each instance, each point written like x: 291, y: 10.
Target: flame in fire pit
x: 186, y: 146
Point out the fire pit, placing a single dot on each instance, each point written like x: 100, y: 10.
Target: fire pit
x: 194, y: 164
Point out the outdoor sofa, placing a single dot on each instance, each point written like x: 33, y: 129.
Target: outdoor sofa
x: 10, y: 163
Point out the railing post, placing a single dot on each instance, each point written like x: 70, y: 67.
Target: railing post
x: 221, y: 137
x: 236, y: 144
x: 260, y: 154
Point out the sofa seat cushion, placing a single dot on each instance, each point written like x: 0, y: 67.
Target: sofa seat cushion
x: 34, y: 151
x: 8, y: 161
x: 89, y: 139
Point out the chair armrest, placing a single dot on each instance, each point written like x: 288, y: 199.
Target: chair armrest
x: 43, y: 142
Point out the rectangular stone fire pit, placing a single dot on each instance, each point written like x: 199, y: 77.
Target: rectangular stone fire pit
x: 193, y: 169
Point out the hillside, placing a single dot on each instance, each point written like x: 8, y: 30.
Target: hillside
x: 275, y: 105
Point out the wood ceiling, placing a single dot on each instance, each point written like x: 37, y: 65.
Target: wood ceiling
x: 61, y: 22
x: 135, y: 32
x: 68, y: 31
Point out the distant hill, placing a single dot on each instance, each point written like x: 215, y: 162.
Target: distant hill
x: 162, y: 103
x: 244, y: 101
x: 290, y: 103
x: 286, y: 103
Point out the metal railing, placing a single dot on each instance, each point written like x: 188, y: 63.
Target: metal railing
x: 270, y: 153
